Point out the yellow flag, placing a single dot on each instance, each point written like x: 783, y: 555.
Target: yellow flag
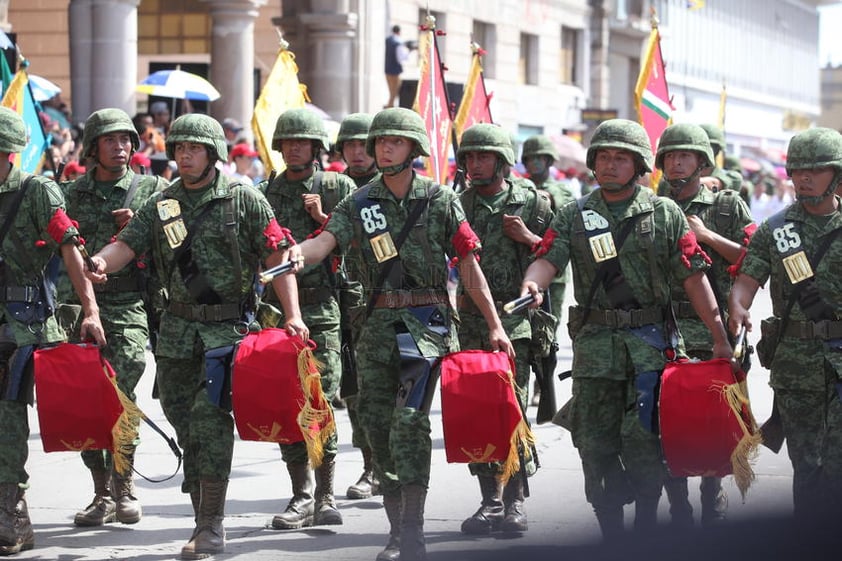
x: 281, y: 91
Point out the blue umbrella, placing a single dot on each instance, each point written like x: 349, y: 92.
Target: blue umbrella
x: 178, y: 84
x: 5, y: 42
x: 42, y: 89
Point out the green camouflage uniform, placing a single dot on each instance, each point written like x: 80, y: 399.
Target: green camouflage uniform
x: 607, y: 360
x: 120, y: 300
x: 25, y: 250
x: 805, y: 373
x: 316, y: 293
x: 503, y: 263
x: 399, y: 437
x: 204, y: 431
x: 560, y: 195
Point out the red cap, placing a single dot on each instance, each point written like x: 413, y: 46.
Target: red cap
x: 140, y: 159
x: 243, y: 149
x: 73, y: 167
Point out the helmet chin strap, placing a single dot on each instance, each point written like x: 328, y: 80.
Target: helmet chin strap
x: 205, y: 172
x: 617, y: 187
x: 484, y: 181
x: 831, y: 188
x: 396, y: 169
x: 678, y: 185
x: 299, y: 168
x: 361, y: 170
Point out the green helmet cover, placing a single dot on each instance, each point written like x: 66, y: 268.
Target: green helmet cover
x: 814, y: 148
x: 201, y: 129
x: 539, y: 145
x: 716, y: 137
x: 399, y: 121
x: 353, y: 127
x: 685, y: 137
x: 106, y: 121
x: 299, y: 123
x: 621, y: 134
x: 13, y: 137
x: 485, y: 137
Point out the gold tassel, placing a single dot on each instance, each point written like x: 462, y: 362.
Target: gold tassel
x: 125, y: 431
x: 315, y: 410
x: 745, y: 453
x: 521, y: 437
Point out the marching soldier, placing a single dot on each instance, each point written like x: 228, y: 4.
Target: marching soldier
x: 206, y: 238
x: 723, y: 225
x: 33, y: 226
x: 510, y: 220
x: 362, y: 169
x: 408, y: 324
x: 302, y: 197
x: 799, y: 250
x: 103, y: 201
x: 625, y: 246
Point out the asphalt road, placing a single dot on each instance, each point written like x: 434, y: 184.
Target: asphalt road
x: 561, y: 523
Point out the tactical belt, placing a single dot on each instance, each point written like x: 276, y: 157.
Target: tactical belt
x: 27, y: 294
x: 118, y: 284
x: 466, y: 304
x: 625, y: 319
x: 684, y: 310
x: 409, y: 298
x: 825, y: 329
x: 205, y: 312
x: 306, y: 296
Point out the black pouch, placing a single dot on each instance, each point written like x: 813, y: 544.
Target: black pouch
x: 218, y: 363
x: 646, y: 386
x: 769, y: 336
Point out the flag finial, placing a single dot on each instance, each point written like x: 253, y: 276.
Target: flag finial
x: 653, y: 17
x: 284, y: 44
x: 430, y: 21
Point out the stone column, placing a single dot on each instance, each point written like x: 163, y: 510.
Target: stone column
x: 331, y: 32
x: 232, y: 57
x: 81, y: 38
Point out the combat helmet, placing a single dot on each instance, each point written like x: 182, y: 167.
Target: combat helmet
x: 716, y: 137
x: 13, y: 137
x: 621, y: 134
x: 106, y: 121
x: 538, y: 145
x: 201, y: 129
x: 299, y: 123
x: 485, y: 137
x: 814, y: 148
x: 399, y: 121
x: 685, y: 137
x: 353, y: 127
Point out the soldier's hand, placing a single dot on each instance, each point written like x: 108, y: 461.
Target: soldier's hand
x: 98, y: 276
x: 295, y: 256
x: 532, y: 288
x: 515, y: 229
x: 91, y: 328
x: 699, y: 228
x: 500, y: 342
x: 297, y: 327
x: 122, y: 216
x: 737, y: 318
x: 313, y: 205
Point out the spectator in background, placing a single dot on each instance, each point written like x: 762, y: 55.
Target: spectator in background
x: 161, y: 116
x: 151, y: 139
x: 396, y: 54
x: 760, y: 201
x: 242, y: 158
x: 72, y: 170
x: 141, y: 164
x: 232, y: 129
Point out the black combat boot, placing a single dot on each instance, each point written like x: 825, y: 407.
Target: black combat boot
x: 610, y: 518
x: 515, y: 516
x: 128, y: 509
x: 490, y: 513
x: 299, y: 511
x: 102, y: 509
x: 209, y: 536
x: 392, y: 505
x: 16, y: 533
x: 681, y: 512
x: 646, y: 514
x: 714, y: 502
x: 412, y: 547
x: 366, y: 485
x: 325, y: 512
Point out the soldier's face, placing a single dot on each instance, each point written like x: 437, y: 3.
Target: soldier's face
x: 354, y: 154
x: 480, y: 165
x: 113, y: 150
x: 297, y: 151
x: 614, y: 166
x: 536, y: 165
x: 392, y: 150
x: 812, y: 182
x: 679, y: 164
x: 191, y: 159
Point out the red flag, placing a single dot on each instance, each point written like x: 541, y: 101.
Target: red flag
x: 651, y: 95
x: 432, y: 104
x: 474, y: 107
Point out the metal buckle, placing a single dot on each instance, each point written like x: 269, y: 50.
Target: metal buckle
x: 624, y: 318
x: 820, y: 329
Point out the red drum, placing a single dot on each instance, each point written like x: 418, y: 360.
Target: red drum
x: 706, y: 424
x: 79, y: 407
x: 481, y: 416
x: 276, y: 392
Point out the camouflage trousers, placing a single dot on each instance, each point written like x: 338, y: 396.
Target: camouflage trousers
x: 126, y: 351
x: 14, y: 442
x: 324, y: 331
x: 205, y: 432
x: 358, y: 438
x: 812, y: 423
x: 399, y: 436
x: 609, y: 437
